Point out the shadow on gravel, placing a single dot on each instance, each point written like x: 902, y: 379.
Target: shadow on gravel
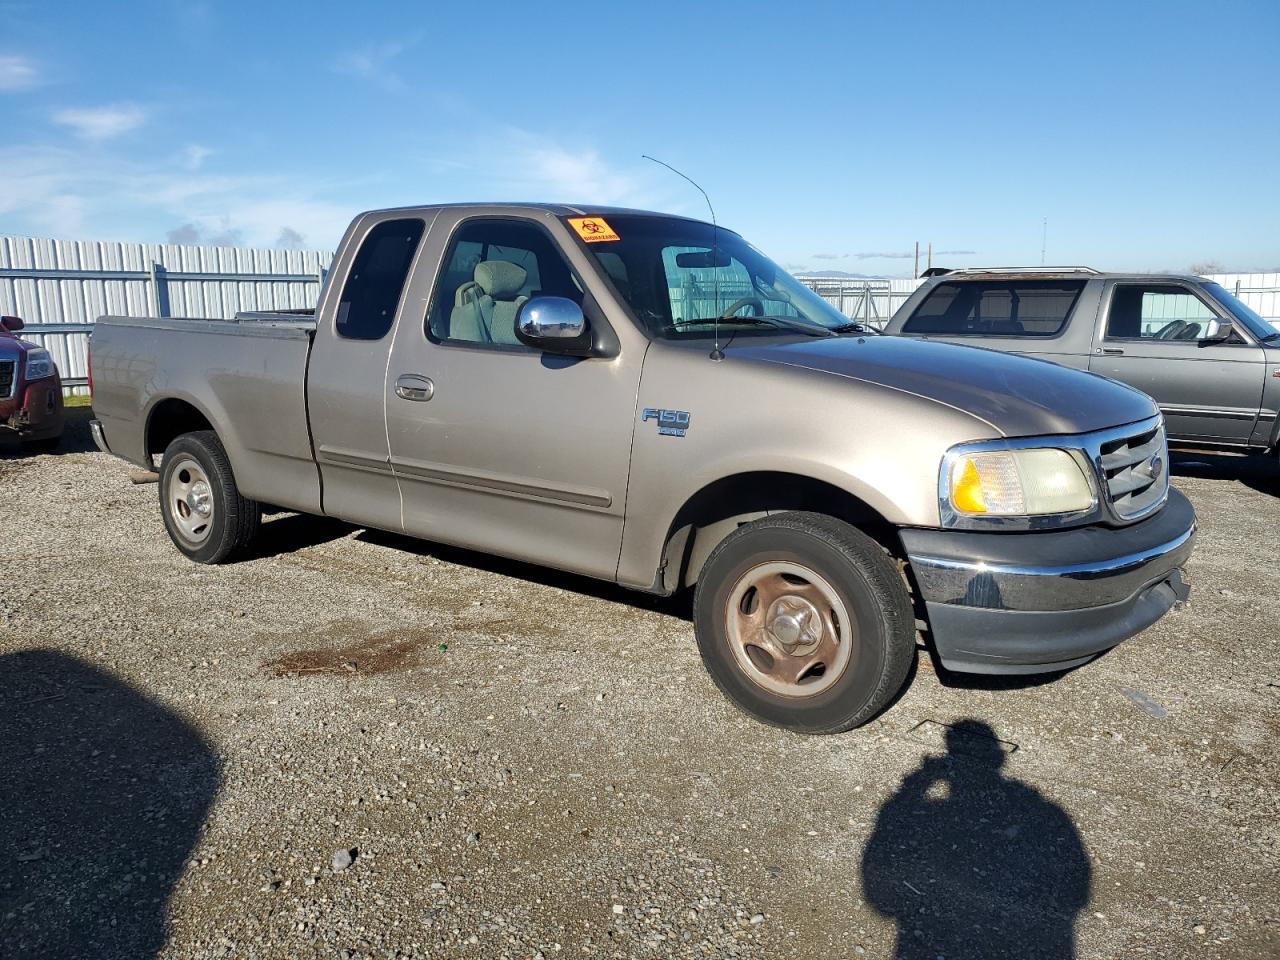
x: 75, y: 438
x: 970, y: 862
x: 1255, y: 472
x: 291, y: 532
x: 102, y: 798
x: 678, y: 605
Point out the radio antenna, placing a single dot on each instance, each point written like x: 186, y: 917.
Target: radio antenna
x: 716, y: 353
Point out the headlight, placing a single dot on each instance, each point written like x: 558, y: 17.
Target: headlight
x: 40, y: 365
x: 1015, y: 483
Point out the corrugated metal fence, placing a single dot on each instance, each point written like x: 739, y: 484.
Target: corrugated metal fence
x: 872, y: 301
x: 59, y: 287
x: 1261, y: 291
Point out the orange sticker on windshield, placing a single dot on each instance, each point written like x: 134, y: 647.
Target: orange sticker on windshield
x: 593, y: 229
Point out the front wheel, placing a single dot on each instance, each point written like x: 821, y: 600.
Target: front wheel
x: 804, y: 622
x: 204, y: 512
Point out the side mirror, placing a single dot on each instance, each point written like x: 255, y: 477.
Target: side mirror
x: 554, y: 325
x: 1218, y: 331
x: 12, y: 324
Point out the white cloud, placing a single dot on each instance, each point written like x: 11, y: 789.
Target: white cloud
x: 102, y: 123
x: 373, y: 62
x: 17, y: 72
x: 527, y: 166
x: 194, y: 156
x: 60, y: 192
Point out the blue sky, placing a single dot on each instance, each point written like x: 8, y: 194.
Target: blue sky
x: 833, y: 136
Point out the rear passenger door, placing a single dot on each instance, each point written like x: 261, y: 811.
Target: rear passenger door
x: 347, y: 373
x: 1149, y: 338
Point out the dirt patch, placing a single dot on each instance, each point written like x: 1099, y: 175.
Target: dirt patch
x: 380, y: 653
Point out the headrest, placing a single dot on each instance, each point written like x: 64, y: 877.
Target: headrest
x: 500, y: 279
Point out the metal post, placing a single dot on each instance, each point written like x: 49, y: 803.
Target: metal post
x: 159, y: 289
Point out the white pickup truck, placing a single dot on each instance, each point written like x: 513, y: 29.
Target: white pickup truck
x: 650, y: 400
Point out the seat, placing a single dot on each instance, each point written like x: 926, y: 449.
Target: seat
x: 484, y: 310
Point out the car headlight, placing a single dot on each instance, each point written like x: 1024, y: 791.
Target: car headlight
x: 1033, y: 482
x: 39, y: 365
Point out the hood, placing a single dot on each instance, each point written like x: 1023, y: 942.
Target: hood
x: 11, y: 346
x: 1018, y: 396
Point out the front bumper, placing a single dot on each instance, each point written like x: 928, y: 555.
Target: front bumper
x: 36, y: 411
x: 1036, y: 602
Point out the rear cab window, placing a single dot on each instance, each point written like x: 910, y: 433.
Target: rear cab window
x: 375, y: 282
x: 1001, y: 308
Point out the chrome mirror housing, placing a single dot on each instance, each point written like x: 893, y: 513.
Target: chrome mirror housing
x: 550, y: 318
x: 1218, y: 331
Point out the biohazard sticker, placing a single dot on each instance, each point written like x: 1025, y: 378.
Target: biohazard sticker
x: 593, y: 229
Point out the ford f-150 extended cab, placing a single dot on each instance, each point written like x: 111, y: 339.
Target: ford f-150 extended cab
x: 1211, y: 363
x: 648, y: 399
x: 30, y: 390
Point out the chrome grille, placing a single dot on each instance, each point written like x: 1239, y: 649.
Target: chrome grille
x: 7, y: 371
x: 1136, y: 471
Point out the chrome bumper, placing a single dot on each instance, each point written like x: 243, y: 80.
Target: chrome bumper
x: 1031, y: 602
x: 99, y: 438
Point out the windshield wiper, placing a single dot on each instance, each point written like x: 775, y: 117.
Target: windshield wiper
x: 791, y: 323
x: 856, y: 326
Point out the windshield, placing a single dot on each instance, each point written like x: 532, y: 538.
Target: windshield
x: 1256, y: 325
x: 666, y: 271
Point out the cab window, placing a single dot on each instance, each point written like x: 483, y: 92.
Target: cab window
x: 375, y: 283
x: 492, y: 268
x: 1156, y: 312
x: 1003, y: 308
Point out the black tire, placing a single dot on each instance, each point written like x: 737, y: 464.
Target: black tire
x: 234, y: 519
x: 864, y: 580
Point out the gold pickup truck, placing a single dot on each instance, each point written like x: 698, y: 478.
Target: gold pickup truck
x: 650, y: 400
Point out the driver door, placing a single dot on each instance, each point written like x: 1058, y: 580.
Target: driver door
x: 1151, y: 339
x: 497, y: 446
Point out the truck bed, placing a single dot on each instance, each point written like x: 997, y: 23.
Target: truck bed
x: 248, y: 375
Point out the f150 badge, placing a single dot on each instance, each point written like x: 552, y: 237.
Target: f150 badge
x: 671, y: 423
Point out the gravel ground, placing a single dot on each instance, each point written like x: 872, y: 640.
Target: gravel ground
x: 358, y: 745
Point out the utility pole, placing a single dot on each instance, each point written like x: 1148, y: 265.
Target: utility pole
x: 1044, y: 239
x: 930, y: 254
x: 916, y: 271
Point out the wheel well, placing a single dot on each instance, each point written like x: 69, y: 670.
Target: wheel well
x: 721, y: 507
x: 171, y: 419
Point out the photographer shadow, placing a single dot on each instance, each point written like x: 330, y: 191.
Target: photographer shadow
x: 971, y: 862
x: 101, y: 803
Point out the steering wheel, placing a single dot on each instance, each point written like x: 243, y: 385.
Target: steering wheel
x: 744, y: 302
x: 1170, y: 330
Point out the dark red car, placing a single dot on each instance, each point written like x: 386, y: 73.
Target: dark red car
x: 30, y: 389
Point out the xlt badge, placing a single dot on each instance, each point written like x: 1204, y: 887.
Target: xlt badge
x: 671, y: 423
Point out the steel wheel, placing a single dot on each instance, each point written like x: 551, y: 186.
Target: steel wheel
x: 788, y: 629
x: 190, y: 501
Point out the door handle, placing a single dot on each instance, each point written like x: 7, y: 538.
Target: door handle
x: 410, y: 386
x: 1113, y: 351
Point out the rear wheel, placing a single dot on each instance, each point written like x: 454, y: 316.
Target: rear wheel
x: 804, y: 622
x: 204, y: 512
